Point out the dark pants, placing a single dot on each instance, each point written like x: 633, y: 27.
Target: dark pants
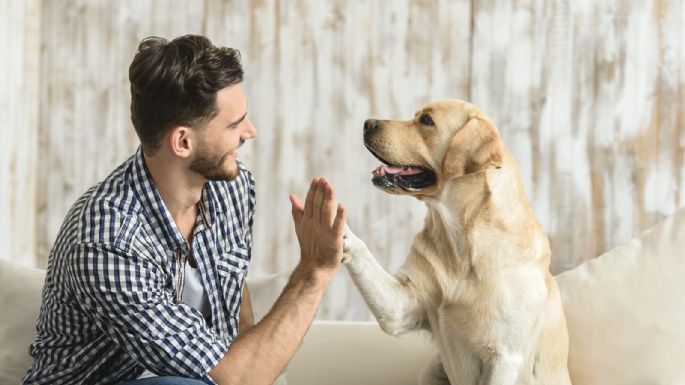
x: 165, y: 380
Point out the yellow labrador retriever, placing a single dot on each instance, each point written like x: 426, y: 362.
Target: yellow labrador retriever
x: 477, y: 276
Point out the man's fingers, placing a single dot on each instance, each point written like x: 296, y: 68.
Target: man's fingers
x: 309, y: 201
x: 328, y: 204
x: 318, y: 198
x: 297, y: 207
x: 339, y: 222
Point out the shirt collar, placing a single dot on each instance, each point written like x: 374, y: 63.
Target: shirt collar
x: 156, y: 210
x: 206, y: 208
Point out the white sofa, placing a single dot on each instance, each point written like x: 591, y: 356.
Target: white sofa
x: 333, y: 353
x: 625, y: 312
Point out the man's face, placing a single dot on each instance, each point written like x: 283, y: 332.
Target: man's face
x: 217, y: 144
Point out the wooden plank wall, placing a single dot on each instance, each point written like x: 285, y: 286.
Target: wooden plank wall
x: 19, y: 112
x: 587, y: 95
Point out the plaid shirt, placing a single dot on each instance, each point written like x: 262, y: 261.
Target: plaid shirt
x: 111, y: 302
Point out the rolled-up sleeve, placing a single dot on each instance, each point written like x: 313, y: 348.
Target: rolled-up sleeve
x: 126, y: 297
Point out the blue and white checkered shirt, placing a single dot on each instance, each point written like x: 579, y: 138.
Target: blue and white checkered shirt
x: 111, y: 302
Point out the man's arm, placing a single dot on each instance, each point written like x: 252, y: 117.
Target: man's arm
x: 258, y: 356
x: 246, y: 314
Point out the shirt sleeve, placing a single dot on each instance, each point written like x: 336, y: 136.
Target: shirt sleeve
x: 124, y: 294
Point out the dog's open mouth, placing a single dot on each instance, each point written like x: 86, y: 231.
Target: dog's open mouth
x: 406, y: 177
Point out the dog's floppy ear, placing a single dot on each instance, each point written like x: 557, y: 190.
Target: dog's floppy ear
x: 475, y: 147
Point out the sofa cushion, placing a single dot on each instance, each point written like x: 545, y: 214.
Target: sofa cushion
x: 344, y: 353
x: 265, y: 290
x: 626, y: 311
x: 20, y: 299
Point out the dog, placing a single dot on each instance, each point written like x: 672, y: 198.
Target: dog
x: 477, y: 275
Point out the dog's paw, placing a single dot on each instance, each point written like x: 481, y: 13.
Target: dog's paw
x: 352, y: 246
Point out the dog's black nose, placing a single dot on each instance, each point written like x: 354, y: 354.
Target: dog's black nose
x: 370, y: 125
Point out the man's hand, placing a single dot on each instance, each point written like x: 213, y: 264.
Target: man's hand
x: 259, y: 355
x: 319, y: 228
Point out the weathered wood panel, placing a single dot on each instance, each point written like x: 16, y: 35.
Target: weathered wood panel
x: 85, y: 127
x: 586, y: 94
x: 19, y: 66
x: 315, y: 72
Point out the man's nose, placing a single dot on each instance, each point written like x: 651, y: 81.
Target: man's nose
x: 250, y: 130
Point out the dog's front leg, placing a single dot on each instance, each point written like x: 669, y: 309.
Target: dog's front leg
x: 391, y: 301
x: 434, y: 373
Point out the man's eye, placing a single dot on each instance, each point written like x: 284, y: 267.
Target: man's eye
x: 426, y: 120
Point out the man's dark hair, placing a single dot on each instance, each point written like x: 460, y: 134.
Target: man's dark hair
x: 175, y: 83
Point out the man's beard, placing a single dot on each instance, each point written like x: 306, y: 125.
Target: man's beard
x: 211, y: 167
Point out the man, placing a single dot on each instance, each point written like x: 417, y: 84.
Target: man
x: 146, y: 277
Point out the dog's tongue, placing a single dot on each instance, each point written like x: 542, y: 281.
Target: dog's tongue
x: 383, y: 170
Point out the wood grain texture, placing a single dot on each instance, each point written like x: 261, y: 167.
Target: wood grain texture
x: 587, y: 95
x: 19, y: 70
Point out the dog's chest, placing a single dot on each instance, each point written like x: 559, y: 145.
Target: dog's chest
x: 472, y: 319
x: 462, y: 315
x: 475, y: 313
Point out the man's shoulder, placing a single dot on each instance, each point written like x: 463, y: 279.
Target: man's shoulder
x: 107, y: 209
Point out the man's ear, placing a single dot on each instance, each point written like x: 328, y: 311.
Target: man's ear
x: 180, y: 141
x: 475, y: 147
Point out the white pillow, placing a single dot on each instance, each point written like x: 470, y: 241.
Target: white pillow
x: 626, y: 311
x: 265, y: 290
x: 20, y: 296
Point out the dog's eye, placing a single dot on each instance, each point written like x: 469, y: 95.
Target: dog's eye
x: 426, y: 120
